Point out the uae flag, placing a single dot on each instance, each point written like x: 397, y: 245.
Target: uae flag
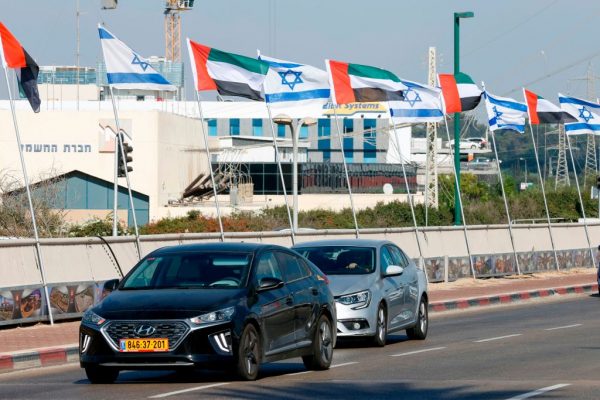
x: 460, y: 92
x: 14, y: 56
x: 354, y: 83
x: 227, y: 73
x: 542, y: 111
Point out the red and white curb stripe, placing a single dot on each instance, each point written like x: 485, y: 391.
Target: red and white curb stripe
x: 38, y: 358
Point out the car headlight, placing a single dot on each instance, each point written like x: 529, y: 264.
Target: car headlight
x: 358, y: 300
x: 91, y: 318
x: 216, y: 316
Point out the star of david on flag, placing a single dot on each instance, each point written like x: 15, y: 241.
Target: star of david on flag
x: 419, y: 103
x: 290, y: 84
x: 126, y: 69
x: 587, y: 115
x: 505, y: 113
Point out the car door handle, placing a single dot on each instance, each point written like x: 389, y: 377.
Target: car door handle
x: 289, y: 300
x: 314, y: 291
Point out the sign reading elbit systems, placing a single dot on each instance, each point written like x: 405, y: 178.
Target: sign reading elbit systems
x: 345, y: 110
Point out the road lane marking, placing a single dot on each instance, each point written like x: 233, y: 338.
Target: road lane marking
x: 497, y: 338
x: 417, y: 352
x: 212, y: 385
x: 344, y: 364
x: 563, y: 327
x: 539, y: 391
x: 300, y: 373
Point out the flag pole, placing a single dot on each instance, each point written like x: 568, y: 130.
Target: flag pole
x: 210, y: 170
x: 38, y: 249
x: 462, y: 211
x: 587, y: 235
x: 115, y: 185
x: 537, y: 162
x: 278, y: 159
x: 339, y: 134
x: 123, y: 155
x: 408, y: 194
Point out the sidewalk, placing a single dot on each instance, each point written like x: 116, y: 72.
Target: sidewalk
x: 43, y: 345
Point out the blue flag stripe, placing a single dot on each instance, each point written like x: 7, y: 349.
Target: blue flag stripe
x: 125, y: 77
x: 297, y: 96
x: 275, y: 64
x: 416, y: 113
x: 572, y: 100
x: 104, y: 34
x: 508, y: 104
x: 580, y: 125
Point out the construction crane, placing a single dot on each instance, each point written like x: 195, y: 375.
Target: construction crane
x: 173, y: 8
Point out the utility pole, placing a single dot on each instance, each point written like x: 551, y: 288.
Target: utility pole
x: 431, y: 176
x: 562, y: 169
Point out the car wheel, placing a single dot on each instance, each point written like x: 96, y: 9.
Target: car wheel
x: 322, y: 346
x: 381, y: 327
x: 98, y: 374
x: 248, y: 354
x: 419, y: 331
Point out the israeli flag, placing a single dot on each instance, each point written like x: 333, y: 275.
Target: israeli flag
x: 505, y: 113
x: 419, y: 103
x: 291, y: 84
x: 126, y: 69
x: 587, y: 115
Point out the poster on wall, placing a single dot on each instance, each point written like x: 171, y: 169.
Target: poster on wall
x: 71, y: 299
x: 20, y: 304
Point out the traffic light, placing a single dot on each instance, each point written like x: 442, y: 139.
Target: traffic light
x: 122, y: 164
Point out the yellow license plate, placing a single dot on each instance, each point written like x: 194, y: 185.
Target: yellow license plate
x: 143, y: 345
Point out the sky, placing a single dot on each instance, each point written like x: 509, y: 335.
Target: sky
x: 545, y: 45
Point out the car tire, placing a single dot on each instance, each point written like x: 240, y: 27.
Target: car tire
x: 322, y: 346
x: 419, y: 331
x: 99, y: 374
x: 248, y: 354
x: 380, y: 327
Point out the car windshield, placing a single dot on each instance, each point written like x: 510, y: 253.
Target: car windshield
x: 341, y: 260
x: 222, y: 270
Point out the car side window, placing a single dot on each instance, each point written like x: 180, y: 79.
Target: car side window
x: 267, y: 267
x: 292, y: 268
x: 398, y: 257
x: 386, y: 259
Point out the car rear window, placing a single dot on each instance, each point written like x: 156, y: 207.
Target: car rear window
x: 341, y: 260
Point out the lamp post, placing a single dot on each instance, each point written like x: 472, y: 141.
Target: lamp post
x: 295, y: 125
x: 457, y: 17
x: 525, y: 165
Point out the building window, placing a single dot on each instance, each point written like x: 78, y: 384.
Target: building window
x: 234, y: 127
x: 349, y: 149
x: 370, y: 141
x: 280, y: 130
x: 304, y: 132
x: 257, y: 127
x: 212, y: 127
x: 348, y: 125
x: 324, y: 131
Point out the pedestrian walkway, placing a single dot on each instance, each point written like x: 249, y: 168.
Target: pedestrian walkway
x: 44, y: 344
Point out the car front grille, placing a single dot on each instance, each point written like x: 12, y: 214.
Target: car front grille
x: 175, y: 331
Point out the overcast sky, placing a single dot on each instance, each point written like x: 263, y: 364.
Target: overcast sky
x: 509, y: 43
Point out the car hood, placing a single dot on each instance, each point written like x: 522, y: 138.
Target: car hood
x: 345, y: 284
x: 166, y: 303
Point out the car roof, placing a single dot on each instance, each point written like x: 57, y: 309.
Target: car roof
x: 219, y: 246
x: 343, y: 242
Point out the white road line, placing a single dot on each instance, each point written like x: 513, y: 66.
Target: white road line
x: 539, y: 391
x: 300, y: 373
x: 212, y: 385
x: 344, y: 364
x: 416, y: 352
x: 497, y: 338
x: 563, y: 327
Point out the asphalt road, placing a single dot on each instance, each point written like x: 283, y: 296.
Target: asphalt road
x: 540, y: 350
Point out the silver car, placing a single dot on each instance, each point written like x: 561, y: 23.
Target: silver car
x: 378, y: 289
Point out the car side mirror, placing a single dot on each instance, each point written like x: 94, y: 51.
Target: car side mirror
x: 111, y: 285
x: 269, y: 283
x: 393, y: 270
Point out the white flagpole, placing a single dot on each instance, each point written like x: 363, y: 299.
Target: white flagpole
x: 339, y: 134
x: 115, y: 184
x: 587, y: 235
x: 462, y: 211
x: 123, y: 155
x: 210, y: 170
x: 541, y: 178
x: 278, y: 159
x: 38, y: 249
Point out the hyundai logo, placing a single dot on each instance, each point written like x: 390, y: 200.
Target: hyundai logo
x: 144, y: 330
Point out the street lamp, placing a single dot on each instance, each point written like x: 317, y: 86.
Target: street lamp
x: 294, y: 124
x: 457, y: 208
x: 525, y: 164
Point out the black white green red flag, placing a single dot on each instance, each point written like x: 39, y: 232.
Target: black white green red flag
x: 542, y: 111
x: 460, y: 92
x: 14, y: 56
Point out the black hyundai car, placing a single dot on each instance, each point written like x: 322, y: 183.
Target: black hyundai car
x: 220, y: 304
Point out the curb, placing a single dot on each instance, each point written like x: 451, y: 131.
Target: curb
x: 462, y: 304
x: 40, y: 358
